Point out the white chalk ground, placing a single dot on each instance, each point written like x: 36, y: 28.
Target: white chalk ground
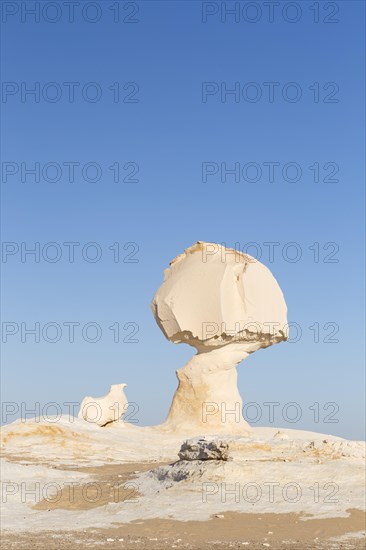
x: 316, y: 474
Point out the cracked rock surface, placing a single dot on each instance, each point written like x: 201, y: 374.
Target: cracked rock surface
x: 202, y: 449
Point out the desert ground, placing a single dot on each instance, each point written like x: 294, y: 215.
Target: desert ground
x: 73, y: 485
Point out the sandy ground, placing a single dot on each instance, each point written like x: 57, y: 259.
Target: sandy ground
x: 230, y: 530
x: 141, y: 511
x: 234, y: 531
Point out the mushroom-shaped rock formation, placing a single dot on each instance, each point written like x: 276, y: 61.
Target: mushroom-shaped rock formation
x: 107, y: 409
x: 226, y: 304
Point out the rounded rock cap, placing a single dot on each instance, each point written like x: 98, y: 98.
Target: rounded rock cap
x: 213, y: 296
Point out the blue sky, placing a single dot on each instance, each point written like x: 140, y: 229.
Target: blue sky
x: 161, y: 130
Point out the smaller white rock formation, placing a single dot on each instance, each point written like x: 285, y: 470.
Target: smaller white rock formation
x: 107, y: 409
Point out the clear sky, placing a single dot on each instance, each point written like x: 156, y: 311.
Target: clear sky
x: 131, y: 132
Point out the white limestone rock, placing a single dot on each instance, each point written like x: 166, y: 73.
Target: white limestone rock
x: 227, y: 305
x: 280, y: 435
x: 213, y: 296
x: 107, y: 409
